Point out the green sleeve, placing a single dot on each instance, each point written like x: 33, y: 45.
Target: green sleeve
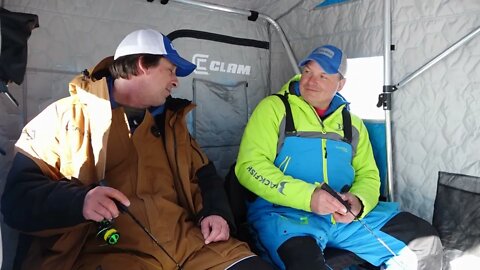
x: 366, y: 185
x: 255, y: 167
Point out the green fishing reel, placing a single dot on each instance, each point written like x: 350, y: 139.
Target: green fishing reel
x: 107, y: 232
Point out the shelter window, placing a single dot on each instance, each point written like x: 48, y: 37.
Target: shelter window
x: 364, y: 84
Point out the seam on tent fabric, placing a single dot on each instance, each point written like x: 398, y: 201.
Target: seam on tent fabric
x: 289, y: 10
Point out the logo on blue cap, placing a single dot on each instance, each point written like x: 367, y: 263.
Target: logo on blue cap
x: 325, y: 51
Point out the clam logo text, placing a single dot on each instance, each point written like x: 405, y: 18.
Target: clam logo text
x: 204, y: 66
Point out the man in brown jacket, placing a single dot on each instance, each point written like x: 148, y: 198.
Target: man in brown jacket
x: 120, y: 127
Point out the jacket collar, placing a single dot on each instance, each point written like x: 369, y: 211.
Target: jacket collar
x: 101, y: 69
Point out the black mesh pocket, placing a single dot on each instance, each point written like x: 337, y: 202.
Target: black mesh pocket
x: 456, y: 215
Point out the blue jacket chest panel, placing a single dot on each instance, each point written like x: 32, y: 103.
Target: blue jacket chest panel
x: 303, y: 158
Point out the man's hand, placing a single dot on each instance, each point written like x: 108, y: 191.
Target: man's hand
x: 214, y: 228
x: 323, y: 203
x: 356, y: 207
x: 99, y: 205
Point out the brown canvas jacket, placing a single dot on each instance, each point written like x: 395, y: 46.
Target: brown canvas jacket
x: 74, y: 146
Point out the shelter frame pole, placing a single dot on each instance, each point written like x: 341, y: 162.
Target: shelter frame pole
x: 439, y: 57
x: 385, y: 97
x: 248, y: 13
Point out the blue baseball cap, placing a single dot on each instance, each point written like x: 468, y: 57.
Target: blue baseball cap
x: 330, y: 58
x: 150, y: 41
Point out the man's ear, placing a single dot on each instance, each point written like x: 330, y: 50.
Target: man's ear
x: 341, y: 84
x: 141, y: 68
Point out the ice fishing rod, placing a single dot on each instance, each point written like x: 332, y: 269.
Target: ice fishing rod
x: 332, y: 192
x: 123, y: 209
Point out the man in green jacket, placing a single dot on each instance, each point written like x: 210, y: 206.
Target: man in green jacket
x: 298, y: 144
x: 120, y: 141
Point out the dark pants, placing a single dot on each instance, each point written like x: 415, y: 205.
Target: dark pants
x: 251, y: 263
x: 302, y: 252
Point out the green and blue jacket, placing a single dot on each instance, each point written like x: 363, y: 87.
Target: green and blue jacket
x: 284, y: 169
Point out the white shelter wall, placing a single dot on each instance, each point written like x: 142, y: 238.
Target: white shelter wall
x: 435, y: 116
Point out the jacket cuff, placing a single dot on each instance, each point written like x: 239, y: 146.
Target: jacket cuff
x: 215, y: 201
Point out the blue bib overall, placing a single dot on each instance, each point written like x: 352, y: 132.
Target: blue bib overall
x: 315, y: 157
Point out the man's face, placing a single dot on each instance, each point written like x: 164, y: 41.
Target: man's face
x: 159, y: 82
x: 317, y: 87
